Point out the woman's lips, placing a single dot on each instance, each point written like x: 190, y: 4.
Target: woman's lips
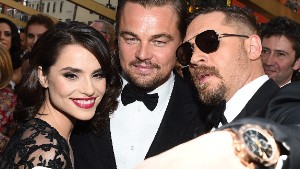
x: 85, y: 103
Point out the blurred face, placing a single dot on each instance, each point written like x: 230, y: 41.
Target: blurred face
x: 148, y: 39
x: 5, y: 35
x: 278, y: 57
x: 33, y: 33
x: 100, y: 27
x: 75, y: 84
x: 217, y: 75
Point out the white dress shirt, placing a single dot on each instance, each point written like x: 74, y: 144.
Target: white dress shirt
x: 133, y: 127
x: 239, y: 100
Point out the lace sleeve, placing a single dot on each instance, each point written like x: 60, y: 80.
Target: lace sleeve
x: 41, y: 147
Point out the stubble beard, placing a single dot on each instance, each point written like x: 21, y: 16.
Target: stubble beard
x: 206, y: 93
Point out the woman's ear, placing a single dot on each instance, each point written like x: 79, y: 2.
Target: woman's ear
x: 42, y: 78
x: 254, y: 47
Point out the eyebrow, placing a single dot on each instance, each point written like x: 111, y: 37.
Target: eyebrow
x: 162, y: 35
x: 75, y: 70
x: 276, y: 50
x: 124, y: 33
x: 281, y: 51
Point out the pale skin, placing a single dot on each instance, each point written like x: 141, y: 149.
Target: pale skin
x: 279, y: 59
x: 148, y: 39
x: 74, y: 88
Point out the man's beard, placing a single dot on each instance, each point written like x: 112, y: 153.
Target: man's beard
x: 144, y: 82
x: 210, y: 96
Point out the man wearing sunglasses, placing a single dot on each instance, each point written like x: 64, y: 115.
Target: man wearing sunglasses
x: 222, y: 49
x: 281, y: 49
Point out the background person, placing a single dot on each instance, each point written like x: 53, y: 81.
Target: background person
x: 107, y: 30
x: 35, y: 27
x: 281, y: 49
x: 69, y: 74
x: 10, y: 39
x: 7, y: 98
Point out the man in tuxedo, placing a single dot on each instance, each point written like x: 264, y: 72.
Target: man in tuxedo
x: 224, y: 60
x: 281, y: 49
x: 157, y: 109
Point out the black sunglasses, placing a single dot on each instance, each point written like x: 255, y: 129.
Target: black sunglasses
x: 207, y: 41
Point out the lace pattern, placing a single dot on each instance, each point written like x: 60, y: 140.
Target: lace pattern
x: 36, y: 144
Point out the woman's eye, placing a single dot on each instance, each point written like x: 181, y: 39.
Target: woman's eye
x: 99, y: 75
x: 7, y: 34
x: 29, y: 35
x: 70, y: 76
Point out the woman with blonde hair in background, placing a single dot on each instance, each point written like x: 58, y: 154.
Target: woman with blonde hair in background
x: 7, y: 97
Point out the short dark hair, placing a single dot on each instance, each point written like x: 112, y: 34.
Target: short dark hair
x: 15, y: 51
x: 243, y: 19
x: 31, y: 95
x: 179, y: 6
x: 39, y: 19
x: 283, y: 26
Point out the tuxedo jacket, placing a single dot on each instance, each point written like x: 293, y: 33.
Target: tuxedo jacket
x: 256, y: 105
x: 182, y: 121
x: 281, y: 116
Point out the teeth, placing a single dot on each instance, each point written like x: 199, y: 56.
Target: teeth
x: 82, y: 102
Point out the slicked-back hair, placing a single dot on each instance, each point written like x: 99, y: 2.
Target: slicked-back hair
x: 240, y: 18
x: 15, y: 50
x: 283, y: 26
x: 31, y: 95
x: 6, y: 69
x: 179, y: 6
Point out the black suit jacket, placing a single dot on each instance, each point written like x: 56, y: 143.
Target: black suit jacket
x: 282, y: 118
x: 182, y: 121
x: 255, y: 106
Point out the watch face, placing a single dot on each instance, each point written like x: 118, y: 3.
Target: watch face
x: 258, y: 144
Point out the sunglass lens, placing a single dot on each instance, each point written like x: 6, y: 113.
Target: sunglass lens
x: 184, y: 53
x: 207, y: 41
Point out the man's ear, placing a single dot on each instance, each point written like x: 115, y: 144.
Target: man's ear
x: 42, y: 78
x: 254, y: 47
x: 297, y: 64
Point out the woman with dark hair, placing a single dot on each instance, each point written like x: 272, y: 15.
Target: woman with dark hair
x: 10, y: 38
x: 70, y: 72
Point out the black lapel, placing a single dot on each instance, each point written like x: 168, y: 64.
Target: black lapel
x: 180, y: 120
x: 256, y: 104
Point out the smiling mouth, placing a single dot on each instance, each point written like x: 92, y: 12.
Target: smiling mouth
x: 85, y: 103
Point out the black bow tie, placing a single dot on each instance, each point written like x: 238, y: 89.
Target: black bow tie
x: 130, y: 95
x: 217, y: 115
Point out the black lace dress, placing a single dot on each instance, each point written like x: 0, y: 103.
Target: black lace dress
x: 36, y: 143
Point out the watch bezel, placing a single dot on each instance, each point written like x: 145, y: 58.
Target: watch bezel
x: 246, y: 155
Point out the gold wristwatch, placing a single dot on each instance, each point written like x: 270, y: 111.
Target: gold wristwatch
x: 254, y: 146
